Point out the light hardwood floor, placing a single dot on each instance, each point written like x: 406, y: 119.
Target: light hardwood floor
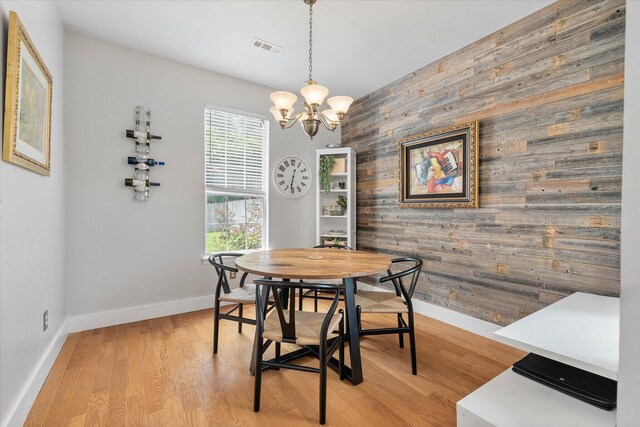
x: 161, y: 372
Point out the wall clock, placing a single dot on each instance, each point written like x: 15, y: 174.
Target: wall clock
x: 291, y: 176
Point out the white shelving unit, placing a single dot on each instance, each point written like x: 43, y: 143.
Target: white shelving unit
x: 330, y: 226
x: 580, y: 330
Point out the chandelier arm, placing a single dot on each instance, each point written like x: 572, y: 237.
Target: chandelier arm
x: 330, y: 126
x: 293, y: 120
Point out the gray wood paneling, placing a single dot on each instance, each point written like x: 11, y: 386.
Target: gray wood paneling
x: 548, y: 92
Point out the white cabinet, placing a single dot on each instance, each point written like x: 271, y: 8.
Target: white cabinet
x: 335, y: 225
x: 511, y: 400
x: 580, y: 330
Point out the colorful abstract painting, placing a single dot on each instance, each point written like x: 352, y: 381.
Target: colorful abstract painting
x: 438, y: 169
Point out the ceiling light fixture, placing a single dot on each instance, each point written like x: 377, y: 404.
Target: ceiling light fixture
x: 314, y: 94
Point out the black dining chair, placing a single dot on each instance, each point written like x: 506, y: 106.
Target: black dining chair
x: 398, y: 302
x: 244, y: 294
x: 315, y: 293
x: 324, y: 331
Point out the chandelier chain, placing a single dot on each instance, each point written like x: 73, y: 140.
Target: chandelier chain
x: 310, y: 39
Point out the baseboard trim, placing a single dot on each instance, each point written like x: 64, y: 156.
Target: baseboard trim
x: 83, y: 322
x: 446, y: 315
x: 102, y: 319
x: 17, y: 414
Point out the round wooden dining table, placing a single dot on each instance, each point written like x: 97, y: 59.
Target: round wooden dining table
x: 319, y: 264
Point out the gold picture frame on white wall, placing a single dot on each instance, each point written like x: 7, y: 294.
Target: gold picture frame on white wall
x: 27, y: 111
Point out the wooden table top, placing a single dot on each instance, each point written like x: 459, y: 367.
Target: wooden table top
x: 312, y: 263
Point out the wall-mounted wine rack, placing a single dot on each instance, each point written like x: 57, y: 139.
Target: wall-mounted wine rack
x: 141, y: 161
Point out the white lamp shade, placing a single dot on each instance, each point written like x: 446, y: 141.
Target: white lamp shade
x: 331, y: 116
x: 314, y: 94
x: 276, y: 113
x: 340, y: 104
x: 283, y: 100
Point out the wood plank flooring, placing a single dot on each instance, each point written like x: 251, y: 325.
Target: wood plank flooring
x: 161, y: 372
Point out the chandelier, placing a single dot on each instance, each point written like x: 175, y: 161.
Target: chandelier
x: 314, y: 94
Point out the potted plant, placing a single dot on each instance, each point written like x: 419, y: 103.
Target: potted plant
x: 342, y: 202
x: 324, y: 171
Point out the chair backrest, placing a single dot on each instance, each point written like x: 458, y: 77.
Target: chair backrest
x: 217, y: 261
x: 334, y: 246
x: 288, y: 319
x: 411, y: 273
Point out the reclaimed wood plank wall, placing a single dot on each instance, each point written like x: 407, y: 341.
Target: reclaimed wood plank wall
x: 548, y: 92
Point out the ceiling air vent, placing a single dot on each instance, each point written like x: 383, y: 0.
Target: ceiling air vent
x: 266, y: 46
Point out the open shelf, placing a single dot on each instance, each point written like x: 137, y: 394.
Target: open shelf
x: 343, y: 174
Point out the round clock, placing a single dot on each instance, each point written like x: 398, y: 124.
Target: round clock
x: 291, y: 176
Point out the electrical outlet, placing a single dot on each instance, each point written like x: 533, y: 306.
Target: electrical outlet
x: 232, y: 275
x: 45, y: 320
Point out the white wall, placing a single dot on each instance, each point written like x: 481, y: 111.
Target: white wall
x: 629, y: 374
x: 32, y: 234
x: 124, y: 253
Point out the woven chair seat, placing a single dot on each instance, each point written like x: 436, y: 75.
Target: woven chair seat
x: 308, y: 326
x: 380, y: 302
x: 243, y: 295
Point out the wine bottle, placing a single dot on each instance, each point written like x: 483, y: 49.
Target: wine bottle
x: 146, y: 161
x: 130, y: 182
x: 143, y: 135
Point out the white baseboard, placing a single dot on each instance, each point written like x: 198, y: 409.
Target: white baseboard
x: 17, y: 414
x: 102, y: 319
x: 83, y: 322
x: 462, y: 321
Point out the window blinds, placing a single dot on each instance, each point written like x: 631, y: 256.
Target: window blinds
x: 235, y: 148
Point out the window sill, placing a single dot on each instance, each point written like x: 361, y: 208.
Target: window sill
x: 205, y: 257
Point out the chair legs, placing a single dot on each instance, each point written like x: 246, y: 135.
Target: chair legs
x: 240, y: 320
x: 216, y: 325
x: 403, y: 328
x: 341, y: 351
x: 258, y: 376
x: 324, y: 357
x: 323, y: 383
x: 400, y: 334
x: 412, y: 344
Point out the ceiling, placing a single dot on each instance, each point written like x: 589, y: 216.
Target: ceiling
x: 359, y: 46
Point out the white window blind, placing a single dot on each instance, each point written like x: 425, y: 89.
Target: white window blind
x: 235, y: 148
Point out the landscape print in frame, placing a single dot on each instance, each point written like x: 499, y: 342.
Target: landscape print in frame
x: 439, y: 169
x: 27, y: 120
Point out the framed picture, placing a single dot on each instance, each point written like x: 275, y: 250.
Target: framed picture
x: 27, y: 112
x: 439, y: 169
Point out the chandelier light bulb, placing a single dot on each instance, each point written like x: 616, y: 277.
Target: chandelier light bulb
x: 340, y: 104
x: 314, y: 93
x: 283, y: 100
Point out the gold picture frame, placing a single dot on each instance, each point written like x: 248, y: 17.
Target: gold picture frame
x: 439, y: 169
x: 27, y: 111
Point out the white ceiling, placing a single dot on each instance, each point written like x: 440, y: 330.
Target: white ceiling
x: 359, y: 46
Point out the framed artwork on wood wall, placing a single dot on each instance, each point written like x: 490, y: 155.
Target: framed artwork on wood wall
x: 439, y: 169
x: 27, y: 112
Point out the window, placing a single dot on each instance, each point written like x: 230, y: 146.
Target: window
x: 236, y: 147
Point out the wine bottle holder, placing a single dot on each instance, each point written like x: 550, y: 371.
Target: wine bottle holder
x: 142, y: 137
